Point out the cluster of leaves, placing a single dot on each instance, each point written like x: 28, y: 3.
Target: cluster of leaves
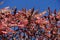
x: 30, y: 23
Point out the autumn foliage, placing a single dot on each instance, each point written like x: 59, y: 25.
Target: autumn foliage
x: 29, y: 24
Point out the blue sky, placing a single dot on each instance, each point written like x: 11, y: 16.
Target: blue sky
x: 37, y: 4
